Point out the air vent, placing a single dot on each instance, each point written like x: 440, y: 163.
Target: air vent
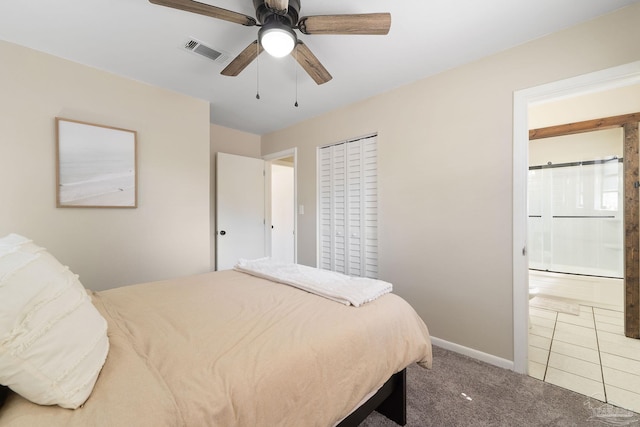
x: 197, y: 47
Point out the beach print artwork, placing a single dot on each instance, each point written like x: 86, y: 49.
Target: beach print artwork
x: 96, y: 165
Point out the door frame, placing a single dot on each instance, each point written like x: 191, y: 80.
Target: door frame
x: 620, y: 76
x: 269, y: 158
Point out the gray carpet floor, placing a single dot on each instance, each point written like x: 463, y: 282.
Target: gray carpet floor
x: 461, y: 391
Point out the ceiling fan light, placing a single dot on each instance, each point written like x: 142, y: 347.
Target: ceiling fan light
x: 278, y: 40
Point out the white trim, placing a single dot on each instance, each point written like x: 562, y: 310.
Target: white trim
x: 611, y: 78
x: 476, y: 354
x: 317, y: 212
x: 281, y: 154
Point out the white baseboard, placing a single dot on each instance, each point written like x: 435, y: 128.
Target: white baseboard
x: 476, y: 354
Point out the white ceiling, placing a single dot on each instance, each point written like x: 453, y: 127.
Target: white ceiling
x: 143, y: 41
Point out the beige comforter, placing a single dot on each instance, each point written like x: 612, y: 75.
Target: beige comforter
x: 229, y: 349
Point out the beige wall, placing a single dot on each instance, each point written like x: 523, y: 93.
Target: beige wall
x: 445, y: 175
x: 596, y: 145
x: 168, y: 234
x: 584, y: 146
x: 230, y: 141
x: 607, y: 103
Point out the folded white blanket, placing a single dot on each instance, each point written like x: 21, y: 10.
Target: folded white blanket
x: 329, y: 284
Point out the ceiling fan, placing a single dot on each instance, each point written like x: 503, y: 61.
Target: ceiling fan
x: 278, y: 19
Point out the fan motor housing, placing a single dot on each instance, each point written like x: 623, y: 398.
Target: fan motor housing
x: 265, y: 15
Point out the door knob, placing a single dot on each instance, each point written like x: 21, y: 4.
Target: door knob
x: 222, y: 232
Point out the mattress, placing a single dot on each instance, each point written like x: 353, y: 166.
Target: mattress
x: 230, y: 349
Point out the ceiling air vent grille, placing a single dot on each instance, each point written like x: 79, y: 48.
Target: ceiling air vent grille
x: 195, y: 46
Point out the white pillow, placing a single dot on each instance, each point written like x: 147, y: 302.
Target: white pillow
x: 53, y: 341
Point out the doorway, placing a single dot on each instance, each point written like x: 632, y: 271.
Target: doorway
x: 576, y: 255
x: 282, y: 211
x: 281, y: 202
x: 255, y: 208
x: 617, y: 77
x: 612, y: 78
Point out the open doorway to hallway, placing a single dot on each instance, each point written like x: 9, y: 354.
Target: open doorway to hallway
x: 282, y: 210
x: 281, y: 205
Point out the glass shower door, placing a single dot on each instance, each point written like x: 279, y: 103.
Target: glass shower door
x: 576, y: 217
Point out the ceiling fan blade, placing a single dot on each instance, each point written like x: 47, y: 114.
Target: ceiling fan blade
x: 311, y: 64
x: 241, y: 61
x: 279, y: 6
x: 207, y: 10
x: 365, y: 23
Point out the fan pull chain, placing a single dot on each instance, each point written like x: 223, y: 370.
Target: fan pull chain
x: 295, y: 64
x: 257, y: 69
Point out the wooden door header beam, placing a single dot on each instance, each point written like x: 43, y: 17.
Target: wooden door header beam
x: 586, y: 126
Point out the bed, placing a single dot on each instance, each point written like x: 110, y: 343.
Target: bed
x: 231, y: 349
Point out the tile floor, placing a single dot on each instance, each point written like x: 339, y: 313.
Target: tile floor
x: 587, y: 353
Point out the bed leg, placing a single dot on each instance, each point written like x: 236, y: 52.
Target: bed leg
x: 394, y: 407
x: 390, y: 401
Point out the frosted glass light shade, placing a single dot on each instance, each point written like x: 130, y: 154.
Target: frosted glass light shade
x: 278, y: 41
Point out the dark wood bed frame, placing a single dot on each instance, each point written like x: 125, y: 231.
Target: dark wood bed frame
x: 4, y: 392
x: 390, y: 401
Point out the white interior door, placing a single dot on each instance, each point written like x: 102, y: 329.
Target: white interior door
x: 240, y: 209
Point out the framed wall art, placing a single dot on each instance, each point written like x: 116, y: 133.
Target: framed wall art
x: 96, y: 165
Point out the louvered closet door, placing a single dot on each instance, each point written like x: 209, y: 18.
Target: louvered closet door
x: 348, y: 192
